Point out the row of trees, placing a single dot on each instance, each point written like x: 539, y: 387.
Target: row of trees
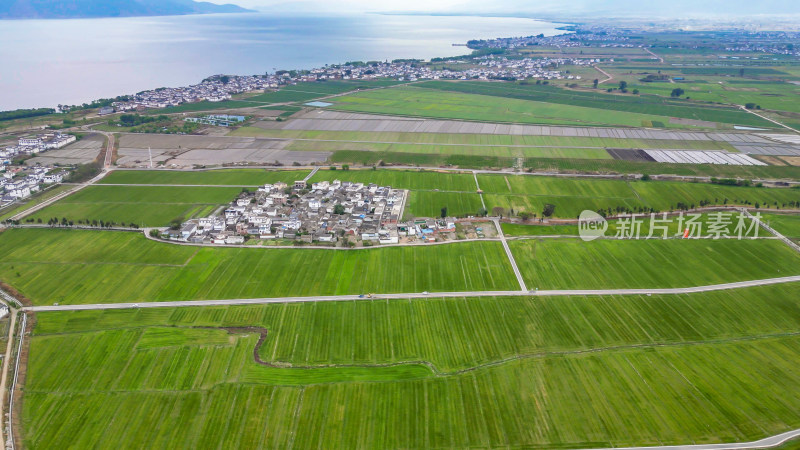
x: 501, y: 212
x: 64, y: 222
x: 131, y: 120
x: 25, y: 113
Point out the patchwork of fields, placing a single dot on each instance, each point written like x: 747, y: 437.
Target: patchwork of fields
x: 424, y: 149
x: 430, y: 192
x: 413, y: 101
x: 543, y: 139
x: 72, y: 267
x: 643, y: 105
x: 495, y: 102
x: 550, y: 372
x: 523, y: 371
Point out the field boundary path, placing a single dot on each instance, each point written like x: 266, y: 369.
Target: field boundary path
x: 14, y: 382
x: 660, y: 59
x: 418, y: 295
x: 510, y: 255
x: 311, y: 174
x: 4, y: 378
x: 775, y: 232
x: 55, y: 198
x: 767, y: 118
x: 608, y: 75
x: 478, y: 187
x: 768, y: 442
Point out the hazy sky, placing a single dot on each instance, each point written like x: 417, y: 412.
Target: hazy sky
x: 672, y: 8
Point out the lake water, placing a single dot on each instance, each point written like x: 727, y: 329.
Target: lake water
x: 50, y: 62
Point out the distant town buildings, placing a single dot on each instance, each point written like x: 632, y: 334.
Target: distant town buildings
x: 214, y: 89
x: 603, y: 37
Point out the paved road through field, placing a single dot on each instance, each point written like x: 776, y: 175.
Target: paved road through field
x: 510, y: 255
x: 414, y: 295
x: 772, y: 441
x: 4, y: 379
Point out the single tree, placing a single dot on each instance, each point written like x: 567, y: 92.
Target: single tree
x: 548, y: 210
x: 444, y: 212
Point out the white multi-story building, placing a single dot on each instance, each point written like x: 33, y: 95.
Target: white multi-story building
x: 30, y: 142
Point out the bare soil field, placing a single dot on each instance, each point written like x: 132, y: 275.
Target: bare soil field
x: 188, y: 151
x: 792, y: 160
x: 81, y: 152
x: 693, y: 122
x: 771, y: 160
x: 629, y: 155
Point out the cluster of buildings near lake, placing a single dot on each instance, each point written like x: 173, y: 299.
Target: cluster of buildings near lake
x: 542, y: 68
x: 481, y: 67
x: 214, y: 89
x: 325, y: 212
x: 600, y: 37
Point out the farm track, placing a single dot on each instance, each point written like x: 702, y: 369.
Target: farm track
x: 768, y: 442
x: 4, y: 379
x: 510, y: 256
x: 609, y: 77
x: 767, y: 118
x: 417, y: 295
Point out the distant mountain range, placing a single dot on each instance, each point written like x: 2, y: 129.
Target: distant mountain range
x: 71, y: 9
